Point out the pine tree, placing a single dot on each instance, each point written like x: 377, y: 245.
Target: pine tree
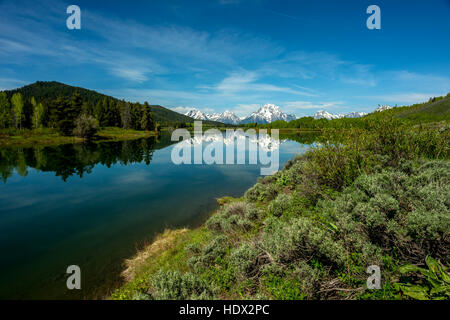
x: 146, y: 118
x: 64, y: 114
x: 104, y: 119
x: 125, y: 115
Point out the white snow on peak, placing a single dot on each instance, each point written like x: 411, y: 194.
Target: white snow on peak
x: 267, y: 114
x: 227, y: 117
x: 382, y: 108
x: 196, y: 114
x: 322, y: 114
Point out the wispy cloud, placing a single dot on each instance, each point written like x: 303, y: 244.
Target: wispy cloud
x: 179, y: 65
x: 246, y: 81
x: 305, y: 105
x: 8, y: 83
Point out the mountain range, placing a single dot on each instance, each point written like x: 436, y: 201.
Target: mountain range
x: 226, y: 117
x: 269, y: 113
x: 322, y: 114
x: 266, y: 114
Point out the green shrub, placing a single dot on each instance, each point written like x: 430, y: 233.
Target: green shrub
x: 247, y: 260
x: 301, y: 238
x: 214, y: 250
x: 233, y: 217
x: 278, y: 206
x: 261, y: 192
x: 393, y: 208
x: 171, y: 285
x: 86, y: 126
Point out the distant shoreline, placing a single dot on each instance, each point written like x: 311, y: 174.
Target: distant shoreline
x: 49, y: 137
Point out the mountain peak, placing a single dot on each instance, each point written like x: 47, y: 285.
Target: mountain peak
x: 196, y: 114
x: 267, y: 114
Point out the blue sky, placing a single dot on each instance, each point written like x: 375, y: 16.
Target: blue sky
x: 237, y: 55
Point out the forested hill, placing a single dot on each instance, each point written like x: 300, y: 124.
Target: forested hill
x: 50, y: 90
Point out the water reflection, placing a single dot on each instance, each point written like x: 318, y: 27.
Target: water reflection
x: 76, y: 159
x: 79, y: 159
x: 129, y: 191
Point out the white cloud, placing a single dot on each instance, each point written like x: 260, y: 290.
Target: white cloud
x: 130, y: 74
x: 246, y: 81
x: 302, y: 105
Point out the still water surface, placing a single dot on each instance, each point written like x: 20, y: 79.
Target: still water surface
x: 93, y: 204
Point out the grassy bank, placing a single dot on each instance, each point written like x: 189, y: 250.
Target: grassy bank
x: 50, y: 137
x: 114, y: 133
x: 378, y: 196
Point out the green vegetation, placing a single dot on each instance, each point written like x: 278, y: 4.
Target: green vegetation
x: 28, y: 137
x: 435, y: 110
x: 376, y: 193
x: 431, y: 283
x: 86, y: 129
x: 62, y: 114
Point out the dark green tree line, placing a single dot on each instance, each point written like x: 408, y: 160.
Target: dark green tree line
x: 72, y: 115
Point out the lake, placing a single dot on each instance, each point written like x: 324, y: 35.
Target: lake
x: 94, y: 204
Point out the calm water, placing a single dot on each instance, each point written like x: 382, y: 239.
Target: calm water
x: 92, y: 205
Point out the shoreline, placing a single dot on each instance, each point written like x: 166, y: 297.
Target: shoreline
x: 48, y: 137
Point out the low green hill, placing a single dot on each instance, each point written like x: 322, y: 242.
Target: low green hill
x: 435, y: 109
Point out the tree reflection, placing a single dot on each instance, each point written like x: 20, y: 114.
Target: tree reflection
x: 76, y: 159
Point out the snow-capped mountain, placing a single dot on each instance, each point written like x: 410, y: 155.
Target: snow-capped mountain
x: 196, y: 114
x: 322, y: 114
x: 382, y: 108
x: 355, y: 114
x: 227, y: 117
x: 267, y: 114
